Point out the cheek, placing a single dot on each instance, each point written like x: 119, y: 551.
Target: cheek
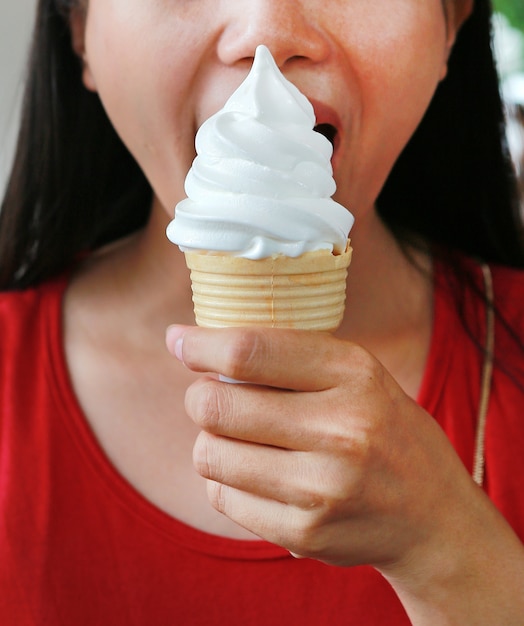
x: 397, y: 77
x: 150, y: 111
x: 117, y: 69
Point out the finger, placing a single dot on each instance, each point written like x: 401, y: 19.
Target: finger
x: 269, y: 519
x: 309, y: 481
x: 292, y: 528
x: 289, y: 359
x: 266, y: 518
x: 265, y: 415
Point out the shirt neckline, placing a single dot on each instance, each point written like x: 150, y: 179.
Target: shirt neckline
x: 92, y: 454
x: 131, y: 499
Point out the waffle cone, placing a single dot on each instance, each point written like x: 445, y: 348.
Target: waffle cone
x: 305, y: 292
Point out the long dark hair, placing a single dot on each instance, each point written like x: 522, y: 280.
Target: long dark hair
x: 74, y: 186
x: 454, y: 184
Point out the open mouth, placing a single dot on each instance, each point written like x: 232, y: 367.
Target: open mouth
x: 329, y: 131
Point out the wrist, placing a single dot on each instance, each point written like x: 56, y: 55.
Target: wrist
x: 469, y: 573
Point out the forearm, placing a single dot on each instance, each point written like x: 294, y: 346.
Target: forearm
x: 477, y: 578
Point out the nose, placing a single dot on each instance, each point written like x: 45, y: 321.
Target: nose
x: 291, y: 29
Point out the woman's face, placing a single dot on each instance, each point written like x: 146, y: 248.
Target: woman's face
x: 162, y: 67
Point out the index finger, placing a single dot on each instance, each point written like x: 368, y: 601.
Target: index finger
x: 284, y: 358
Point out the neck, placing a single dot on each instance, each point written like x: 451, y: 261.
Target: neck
x: 388, y: 304
x: 389, y: 308
x: 387, y: 289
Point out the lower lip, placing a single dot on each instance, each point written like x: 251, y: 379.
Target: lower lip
x: 335, y: 159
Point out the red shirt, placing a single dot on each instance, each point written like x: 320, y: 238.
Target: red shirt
x: 78, y: 545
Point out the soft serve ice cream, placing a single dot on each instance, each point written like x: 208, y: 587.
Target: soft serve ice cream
x: 265, y: 242
x: 262, y: 181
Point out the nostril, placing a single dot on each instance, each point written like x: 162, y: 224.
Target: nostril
x: 329, y: 132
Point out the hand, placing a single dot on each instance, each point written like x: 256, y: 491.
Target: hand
x: 324, y: 454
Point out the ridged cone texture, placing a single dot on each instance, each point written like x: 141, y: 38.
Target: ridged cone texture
x: 306, y: 292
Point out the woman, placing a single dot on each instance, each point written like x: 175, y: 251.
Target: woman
x: 327, y: 456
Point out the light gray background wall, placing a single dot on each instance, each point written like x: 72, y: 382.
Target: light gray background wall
x: 16, y: 20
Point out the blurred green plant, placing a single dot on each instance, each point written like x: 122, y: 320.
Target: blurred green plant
x: 513, y: 10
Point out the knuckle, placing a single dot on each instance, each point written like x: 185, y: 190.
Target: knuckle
x: 370, y: 372
x: 308, y: 538
x: 349, y: 437
x: 341, y: 477
x: 209, y: 459
x: 357, y: 448
x: 310, y: 499
x: 207, y: 403
x: 242, y: 352
x: 191, y: 354
x: 202, y: 455
x: 216, y: 496
x: 341, y: 491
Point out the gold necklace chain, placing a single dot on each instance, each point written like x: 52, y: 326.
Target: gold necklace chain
x: 487, y: 372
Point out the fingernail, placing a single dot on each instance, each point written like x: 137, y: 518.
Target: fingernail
x: 175, y: 340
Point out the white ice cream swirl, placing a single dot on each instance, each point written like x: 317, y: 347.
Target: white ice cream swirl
x: 262, y: 181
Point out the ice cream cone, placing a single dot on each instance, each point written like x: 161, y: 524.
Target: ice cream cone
x: 306, y: 292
